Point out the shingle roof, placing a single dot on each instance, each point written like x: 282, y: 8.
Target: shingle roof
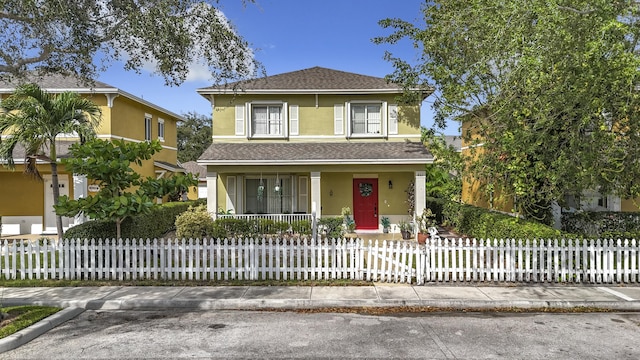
x: 54, y: 81
x: 315, y: 78
x: 62, y: 150
x: 192, y: 167
x: 407, y: 152
x: 454, y: 140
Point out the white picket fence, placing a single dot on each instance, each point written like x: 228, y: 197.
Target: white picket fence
x: 440, y: 260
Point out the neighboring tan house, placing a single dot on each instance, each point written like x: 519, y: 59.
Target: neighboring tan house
x: 314, y: 141
x: 200, y: 173
x: 474, y: 191
x: 27, y: 203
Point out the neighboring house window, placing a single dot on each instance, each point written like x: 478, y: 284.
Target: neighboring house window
x: 603, y: 202
x: 366, y: 119
x: 147, y: 127
x: 267, y: 120
x: 161, y: 129
x: 261, y: 196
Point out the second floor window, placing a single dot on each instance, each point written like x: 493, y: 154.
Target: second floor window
x: 161, y: 129
x: 267, y: 120
x: 366, y: 119
x: 147, y: 128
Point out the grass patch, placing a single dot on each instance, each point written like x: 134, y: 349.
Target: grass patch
x: 20, y: 317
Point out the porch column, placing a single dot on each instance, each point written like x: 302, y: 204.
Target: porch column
x: 420, y: 192
x: 315, y: 194
x: 212, y: 193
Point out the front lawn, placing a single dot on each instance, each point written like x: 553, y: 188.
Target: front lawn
x: 16, y: 318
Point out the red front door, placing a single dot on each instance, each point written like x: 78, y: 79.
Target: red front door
x: 365, y: 203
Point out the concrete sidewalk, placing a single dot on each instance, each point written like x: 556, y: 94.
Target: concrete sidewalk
x: 299, y: 297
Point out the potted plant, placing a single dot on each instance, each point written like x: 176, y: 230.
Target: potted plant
x: 425, y: 221
x: 386, y: 224
x: 405, y: 229
x: 349, y: 222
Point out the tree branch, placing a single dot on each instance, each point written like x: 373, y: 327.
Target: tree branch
x: 6, y: 15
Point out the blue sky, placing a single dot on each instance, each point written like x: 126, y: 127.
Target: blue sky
x: 290, y: 35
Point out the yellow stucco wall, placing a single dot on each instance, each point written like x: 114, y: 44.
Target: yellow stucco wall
x: 313, y: 121
x: 22, y: 195
x: 630, y: 205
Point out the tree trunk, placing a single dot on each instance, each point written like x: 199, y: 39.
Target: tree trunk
x: 118, y: 222
x: 56, y: 195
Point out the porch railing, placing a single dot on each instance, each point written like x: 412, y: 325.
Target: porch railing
x: 265, y: 222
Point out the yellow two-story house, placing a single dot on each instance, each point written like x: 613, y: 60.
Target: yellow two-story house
x: 315, y: 141
x: 26, y: 205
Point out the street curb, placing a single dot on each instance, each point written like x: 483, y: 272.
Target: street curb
x: 300, y: 304
x: 25, y: 335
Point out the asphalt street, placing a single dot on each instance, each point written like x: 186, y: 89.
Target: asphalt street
x: 97, y: 334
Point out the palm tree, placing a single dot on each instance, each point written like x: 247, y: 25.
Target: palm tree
x: 34, y: 118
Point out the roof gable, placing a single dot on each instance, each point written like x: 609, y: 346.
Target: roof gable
x: 310, y: 80
x: 58, y: 83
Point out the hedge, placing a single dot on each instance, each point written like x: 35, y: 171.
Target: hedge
x: 160, y: 220
x: 485, y: 224
x: 603, y: 224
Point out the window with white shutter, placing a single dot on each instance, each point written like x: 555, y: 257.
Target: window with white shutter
x: 303, y: 194
x: 338, y: 119
x: 393, y: 119
x: 293, y: 120
x: 240, y: 119
x: 231, y: 194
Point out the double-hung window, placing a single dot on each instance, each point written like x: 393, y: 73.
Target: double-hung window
x: 147, y: 127
x: 267, y: 120
x: 161, y: 129
x: 366, y: 119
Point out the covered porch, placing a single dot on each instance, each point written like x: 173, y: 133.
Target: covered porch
x: 293, y: 181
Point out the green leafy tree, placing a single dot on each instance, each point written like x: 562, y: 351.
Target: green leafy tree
x: 194, y: 136
x: 547, y: 92
x: 108, y: 163
x: 167, y: 35
x: 174, y: 187
x: 443, y: 176
x: 32, y: 118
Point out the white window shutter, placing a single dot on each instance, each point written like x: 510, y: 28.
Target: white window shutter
x: 285, y: 119
x: 338, y: 119
x: 231, y: 194
x: 303, y: 194
x: 293, y: 119
x: 393, y: 119
x: 240, y: 119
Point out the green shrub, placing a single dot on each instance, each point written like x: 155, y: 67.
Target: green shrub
x: 603, y: 224
x: 437, y: 207
x: 333, y: 226
x: 238, y: 227
x: 95, y: 229
x: 160, y: 220
x: 194, y: 223
x: 302, y: 227
x: 485, y: 224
